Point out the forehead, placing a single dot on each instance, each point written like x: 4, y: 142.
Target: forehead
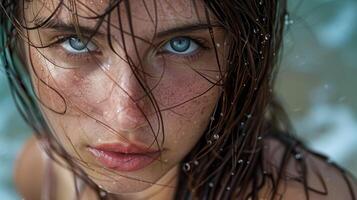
x: 148, y: 14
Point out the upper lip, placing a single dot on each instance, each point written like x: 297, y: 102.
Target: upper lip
x: 125, y: 148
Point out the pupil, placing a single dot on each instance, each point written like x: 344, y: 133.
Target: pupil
x: 77, y: 44
x: 180, y: 44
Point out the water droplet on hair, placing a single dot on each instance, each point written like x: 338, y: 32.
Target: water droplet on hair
x: 210, y: 184
x: 298, y: 156
x: 288, y: 20
x: 186, y: 167
x: 228, y: 188
x: 240, y: 161
x: 221, y: 114
x: 261, y: 2
x: 248, y: 162
x: 232, y: 173
x: 212, y: 118
x: 216, y: 136
x: 221, y: 149
x: 249, y: 116
x: 196, y: 162
x: 218, y: 44
x: 266, y: 37
x: 209, y: 142
x: 260, y: 137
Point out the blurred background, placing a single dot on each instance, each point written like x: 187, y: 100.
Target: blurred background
x: 317, y: 84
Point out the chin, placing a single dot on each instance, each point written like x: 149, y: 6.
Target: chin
x: 125, y: 183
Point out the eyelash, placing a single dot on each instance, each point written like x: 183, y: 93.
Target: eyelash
x: 201, y: 43
x: 87, y: 55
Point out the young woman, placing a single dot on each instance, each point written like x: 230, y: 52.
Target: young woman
x: 156, y: 99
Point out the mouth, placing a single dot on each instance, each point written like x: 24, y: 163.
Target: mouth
x: 124, y: 158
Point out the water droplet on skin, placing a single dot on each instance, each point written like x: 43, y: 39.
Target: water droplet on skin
x: 186, y: 167
x: 216, y: 136
x: 103, y: 194
x: 210, y: 184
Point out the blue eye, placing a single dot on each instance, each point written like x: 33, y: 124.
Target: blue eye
x: 181, y: 45
x: 75, y: 45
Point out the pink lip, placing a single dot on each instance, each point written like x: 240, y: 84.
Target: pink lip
x: 124, y: 158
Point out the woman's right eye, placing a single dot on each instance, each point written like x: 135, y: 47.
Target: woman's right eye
x: 74, y: 45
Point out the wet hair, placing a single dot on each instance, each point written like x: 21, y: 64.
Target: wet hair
x: 228, y: 162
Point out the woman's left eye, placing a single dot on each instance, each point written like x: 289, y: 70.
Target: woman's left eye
x: 75, y: 45
x: 181, y: 45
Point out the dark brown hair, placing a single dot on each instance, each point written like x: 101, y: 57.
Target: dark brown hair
x: 228, y: 161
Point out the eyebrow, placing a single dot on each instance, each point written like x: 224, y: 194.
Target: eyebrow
x: 60, y: 25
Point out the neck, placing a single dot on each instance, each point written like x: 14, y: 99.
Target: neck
x: 165, y: 189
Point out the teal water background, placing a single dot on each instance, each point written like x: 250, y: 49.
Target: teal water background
x: 317, y: 84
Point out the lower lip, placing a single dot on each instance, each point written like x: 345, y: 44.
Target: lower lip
x: 122, y: 161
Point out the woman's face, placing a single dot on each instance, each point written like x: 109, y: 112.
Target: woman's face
x: 90, y: 91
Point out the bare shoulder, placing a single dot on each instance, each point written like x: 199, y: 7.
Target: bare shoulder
x: 308, y: 175
x: 29, y: 170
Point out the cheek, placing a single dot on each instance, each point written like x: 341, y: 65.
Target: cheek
x: 58, y: 88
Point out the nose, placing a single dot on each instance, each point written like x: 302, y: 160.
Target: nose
x: 127, y: 104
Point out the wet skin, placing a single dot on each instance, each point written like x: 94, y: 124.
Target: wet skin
x: 96, y: 98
